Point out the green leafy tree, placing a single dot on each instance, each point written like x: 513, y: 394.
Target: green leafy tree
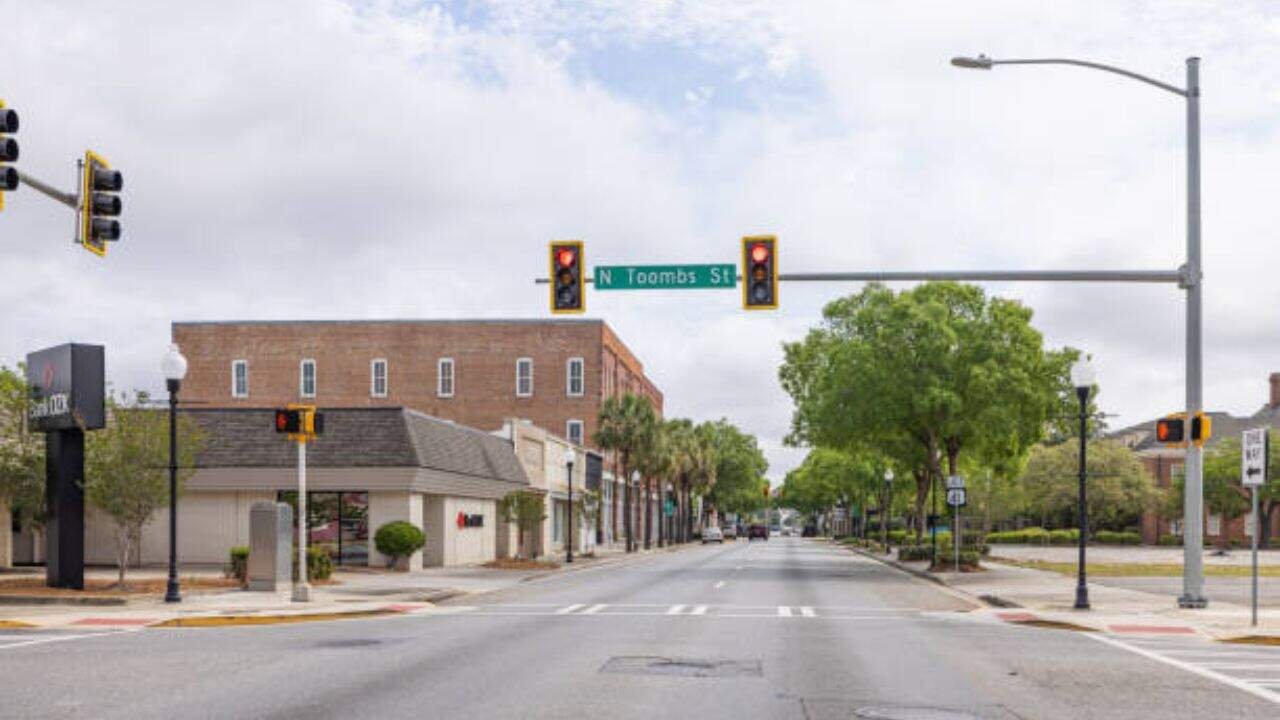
x: 1119, y: 490
x: 740, y: 466
x: 126, y: 467
x: 626, y: 426
x: 1224, y: 494
x: 21, y: 450
x: 526, y: 509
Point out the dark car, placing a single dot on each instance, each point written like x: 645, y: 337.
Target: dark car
x: 809, y: 531
x: 757, y: 531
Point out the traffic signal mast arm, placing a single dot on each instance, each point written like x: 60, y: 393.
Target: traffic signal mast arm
x: 71, y: 200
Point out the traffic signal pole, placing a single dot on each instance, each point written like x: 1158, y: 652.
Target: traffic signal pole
x: 71, y: 200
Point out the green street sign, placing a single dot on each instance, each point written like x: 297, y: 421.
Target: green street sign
x: 665, y: 277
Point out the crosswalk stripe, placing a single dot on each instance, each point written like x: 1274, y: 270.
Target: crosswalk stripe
x: 675, y: 609
x: 784, y: 611
x: 807, y: 612
x: 699, y: 610
x: 594, y: 609
x: 572, y: 608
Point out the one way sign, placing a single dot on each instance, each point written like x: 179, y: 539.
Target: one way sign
x: 1255, y: 447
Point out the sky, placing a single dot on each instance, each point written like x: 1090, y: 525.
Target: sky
x: 343, y: 159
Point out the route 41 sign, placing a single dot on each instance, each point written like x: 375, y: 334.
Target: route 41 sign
x: 955, y: 497
x: 1255, y: 448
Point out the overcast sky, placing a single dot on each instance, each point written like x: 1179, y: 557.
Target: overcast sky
x: 328, y: 159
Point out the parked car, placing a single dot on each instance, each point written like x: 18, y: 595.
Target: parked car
x: 712, y: 534
x: 730, y: 532
x: 757, y: 532
x: 809, y: 531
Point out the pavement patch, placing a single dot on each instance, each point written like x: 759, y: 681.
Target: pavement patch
x: 681, y: 667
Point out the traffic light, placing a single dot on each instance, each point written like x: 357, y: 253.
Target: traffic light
x: 289, y: 421
x: 567, y: 294
x: 1201, y: 429
x: 99, y: 203
x: 760, y: 272
x: 8, y: 151
x: 1171, y: 430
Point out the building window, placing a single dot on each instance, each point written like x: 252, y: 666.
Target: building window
x: 1214, y: 525
x: 557, y: 523
x: 575, y: 374
x: 573, y: 431
x: 444, y: 377
x: 524, y: 377
x: 1175, y: 527
x: 307, y: 381
x: 240, y: 378
x: 378, y: 378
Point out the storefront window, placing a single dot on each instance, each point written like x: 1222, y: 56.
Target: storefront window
x: 337, y: 522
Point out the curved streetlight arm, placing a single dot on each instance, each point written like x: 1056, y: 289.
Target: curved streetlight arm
x: 1096, y: 66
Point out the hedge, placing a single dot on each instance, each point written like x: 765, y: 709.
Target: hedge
x: 238, y: 568
x: 319, y: 564
x: 1071, y: 536
x: 398, y: 539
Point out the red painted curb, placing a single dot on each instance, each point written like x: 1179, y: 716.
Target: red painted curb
x: 1153, y: 629
x: 1016, y: 617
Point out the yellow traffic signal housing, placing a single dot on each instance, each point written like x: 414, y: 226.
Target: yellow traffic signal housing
x: 302, y: 422
x: 1171, y: 430
x: 760, y: 272
x: 1201, y: 429
x: 8, y: 151
x: 99, y: 203
x: 568, y: 293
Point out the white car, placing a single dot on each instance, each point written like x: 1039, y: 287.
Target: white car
x: 712, y: 534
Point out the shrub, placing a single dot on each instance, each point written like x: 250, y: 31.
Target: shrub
x: 1169, y: 540
x: 399, y: 539
x: 1109, y: 537
x: 946, y: 561
x: 319, y: 564
x: 1064, y: 537
x: 238, y: 567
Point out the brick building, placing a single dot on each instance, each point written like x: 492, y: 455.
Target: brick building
x: 1164, y: 464
x: 554, y: 373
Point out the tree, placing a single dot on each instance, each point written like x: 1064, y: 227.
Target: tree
x: 1119, y: 489
x: 923, y: 375
x: 126, y: 475
x: 525, y: 508
x: 655, y: 461
x: 1224, y: 494
x: 739, y: 468
x: 626, y: 425
x: 21, y: 451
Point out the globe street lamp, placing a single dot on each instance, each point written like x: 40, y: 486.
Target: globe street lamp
x: 569, y: 457
x: 884, y: 511
x: 1083, y: 378
x: 174, y: 367
x: 1190, y: 279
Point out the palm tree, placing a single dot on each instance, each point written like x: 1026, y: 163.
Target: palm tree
x: 679, y: 441
x: 654, y: 462
x: 701, y: 461
x: 624, y: 426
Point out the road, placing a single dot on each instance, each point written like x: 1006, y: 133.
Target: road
x: 785, y: 629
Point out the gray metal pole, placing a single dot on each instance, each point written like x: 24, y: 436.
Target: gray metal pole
x: 1256, y: 527
x: 1193, y: 505
x: 71, y: 200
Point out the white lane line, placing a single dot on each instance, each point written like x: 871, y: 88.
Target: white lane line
x: 699, y: 610
x: 60, y: 638
x: 572, y: 608
x: 784, y: 611
x: 807, y: 612
x: 1239, y: 665
x: 1202, y: 672
x: 594, y: 609
x: 674, y: 610
x: 718, y: 585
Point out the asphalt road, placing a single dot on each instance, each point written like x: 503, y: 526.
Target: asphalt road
x: 784, y: 629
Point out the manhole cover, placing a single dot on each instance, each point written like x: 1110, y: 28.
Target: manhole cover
x: 912, y: 713
x: 681, y: 667
x: 358, y: 642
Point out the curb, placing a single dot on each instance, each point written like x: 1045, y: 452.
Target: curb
x: 922, y: 575
x: 89, y: 600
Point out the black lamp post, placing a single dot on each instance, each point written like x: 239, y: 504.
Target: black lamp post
x: 174, y: 367
x: 569, y: 457
x: 1083, y: 378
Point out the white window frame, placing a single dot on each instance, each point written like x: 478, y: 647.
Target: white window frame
x: 453, y: 378
x: 1213, y: 525
x: 582, y: 431
x: 235, y: 364
x: 519, y: 361
x: 373, y: 377
x: 582, y: 377
x: 302, y: 378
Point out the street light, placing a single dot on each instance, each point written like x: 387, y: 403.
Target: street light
x: 569, y: 457
x: 174, y: 367
x: 633, y: 487
x: 1190, y: 280
x: 884, y: 511
x: 1083, y: 378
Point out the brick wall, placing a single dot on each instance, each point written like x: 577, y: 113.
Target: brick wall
x: 484, y: 355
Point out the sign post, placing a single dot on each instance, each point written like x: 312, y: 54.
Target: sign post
x: 956, y: 499
x: 1255, y: 454
x: 67, y: 398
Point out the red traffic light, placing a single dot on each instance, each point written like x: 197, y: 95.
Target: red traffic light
x: 565, y: 257
x: 759, y: 252
x: 1170, y: 430
x: 288, y: 421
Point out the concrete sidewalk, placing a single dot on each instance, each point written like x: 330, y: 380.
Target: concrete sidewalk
x: 350, y: 594
x: 1023, y: 595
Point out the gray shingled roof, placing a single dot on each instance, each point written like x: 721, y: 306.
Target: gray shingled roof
x: 356, y: 437
x: 1142, y: 436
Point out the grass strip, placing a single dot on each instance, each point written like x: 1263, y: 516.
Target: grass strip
x: 1139, y: 569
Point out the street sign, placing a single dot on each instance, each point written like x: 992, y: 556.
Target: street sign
x: 665, y: 277
x: 955, y: 482
x: 956, y: 497
x: 1254, y: 447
